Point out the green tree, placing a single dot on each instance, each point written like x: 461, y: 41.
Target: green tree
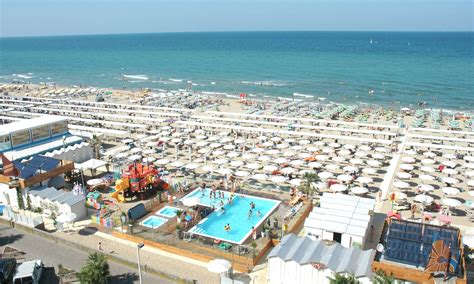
x: 96, y: 142
x: 343, y: 278
x: 305, y: 186
x: 96, y: 270
x: 19, y: 196
x: 380, y: 277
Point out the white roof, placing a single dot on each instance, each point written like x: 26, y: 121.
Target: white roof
x: 28, y: 124
x: 26, y: 268
x: 91, y: 164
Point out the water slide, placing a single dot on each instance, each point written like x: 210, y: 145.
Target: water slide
x: 120, y: 186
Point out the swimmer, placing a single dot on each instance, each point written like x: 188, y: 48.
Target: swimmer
x: 227, y: 227
x: 259, y: 214
x: 250, y: 213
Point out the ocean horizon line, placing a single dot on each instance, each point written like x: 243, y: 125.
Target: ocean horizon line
x: 236, y: 31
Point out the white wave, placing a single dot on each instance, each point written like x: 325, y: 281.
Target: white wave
x: 29, y: 73
x: 137, y: 77
x: 213, y: 83
x: 302, y: 95
x: 23, y: 76
x: 263, y: 83
x: 175, y: 80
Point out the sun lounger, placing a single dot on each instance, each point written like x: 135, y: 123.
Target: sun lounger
x: 295, y: 200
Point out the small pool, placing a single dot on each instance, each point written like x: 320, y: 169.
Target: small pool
x: 153, y: 222
x: 236, y: 215
x: 167, y: 211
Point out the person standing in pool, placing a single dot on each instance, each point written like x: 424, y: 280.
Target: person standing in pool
x: 250, y: 213
x: 227, y: 227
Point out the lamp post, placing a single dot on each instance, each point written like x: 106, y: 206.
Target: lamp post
x: 139, y: 246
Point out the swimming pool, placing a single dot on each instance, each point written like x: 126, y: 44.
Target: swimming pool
x: 167, y: 211
x: 153, y: 222
x: 236, y: 215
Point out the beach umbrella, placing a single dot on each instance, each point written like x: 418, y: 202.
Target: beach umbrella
x: 423, y: 198
x: 374, y: 163
x: 303, y: 172
x: 270, y: 168
x: 449, y: 156
x: 202, y: 137
x: 450, y: 171
x: 66, y: 218
x: 201, y: 144
x: 410, y: 152
x: 260, y: 177
x: 220, y: 161
x: 470, y: 182
x: 287, y: 170
x: 248, y: 156
x: 322, y: 157
x: 208, y: 168
x: 344, y: 153
x: 199, y: 131
x: 469, y: 165
x: 278, y: 179
x: 427, y: 161
x: 161, y: 162
x: 381, y: 150
x: 267, y: 144
x: 429, y: 154
x: 282, y: 146
x: 449, y: 164
x: 136, y: 150
x: 239, y: 141
x: 369, y: 171
x: 427, y: 169
x: 150, y: 144
x: 262, y: 138
x: 356, y: 161
x: 176, y: 140
x: 295, y: 182
x: 359, y: 190
x: 188, y: 142
x: 338, y: 159
x: 304, y: 155
x: 361, y: 154
x: 276, y: 139
x: 165, y: 139
x: 296, y: 163
x: 450, y: 180
x: 203, y: 150
x: 315, y: 165
x: 319, y: 143
x: 325, y: 175
x: 363, y: 179
x: 229, y: 147
x: 399, y: 195
x: 469, y: 173
x: 471, y: 193
x: 312, y: 149
x: 408, y: 160
x: 126, y: 141
x: 425, y: 187
x: 242, y: 173
x: 289, y: 153
x: 469, y: 158
x: 378, y: 156
x: 350, y: 169
x: 338, y: 187
x: 224, y: 171
x: 191, y: 166
x: 403, y: 175
x: 149, y: 152
x: 215, y: 145
x: 232, y: 155
x: 218, y: 153
x: 258, y: 150
x: 134, y: 157
x: 334, y: 145
x: 365, y: 148
x: 264, y: 158
x: 406, y: 167
x: 401, y: 184
x: 426, y: 177
x: 450, y: 190
x: 223, y: 133
x: 166, y: 128
x: 349, y: 146
x: 213, y: 138
x: 177, y: 164
x: 273, y: 152
x: 304, y: 142
x: 191, y: 201
x: 450, y: 202
x: 280, y: 161
x: 290, y: 140
x: 121, y: 155
x: 328, y: 150
x: 253, y: 166
x: 344, y: 177
x: 148, y: 160
x: 236, y: 163
x: 332, y: 167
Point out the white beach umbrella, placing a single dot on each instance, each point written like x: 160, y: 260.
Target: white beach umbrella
x: 304, y: 142
x: 242, y: 173
x: 290, y: 140
x: 149, y: 152
x: 165, y: 139
x: 192, y: 166
x: 349, y: 146
x: 378, y: 156
x: 450, y: 171
x: 229, y: 147
x: 338, y: 187
x: 469, y: 158
x: 344, y: 177
x: 208, y: 168
x: 359, y: 190
x: 295, y: 182
x: 232, y: 155
x: 282, y: 146
x: 262, y: 138
x: 406, y: 167
x: 363, y: 179
x: 201, y: 144
x: 471, y: 193
x: 249, y: 156
x: 270, y: 168
x: 325, y: 175
x: 220, y: 161
x: 322, y: 157
x: 369, y: 171
x: 315, y: 165
x: 450, y: 180
x: 136, y: 150
x: 66, y: 218
x: 273, y: 152
x: 126, y: 141
x: 151, y: 144
x: 199, y: 131
x: 213, y: 138
x: 218, y: 266
x: 204, y: 150
x: 224, y: 171
x: 188, y: 142
x: 361, y: 154
x: 427, y: 169
x: 429, y: 154
x: 350, y: 169
x: 134, y: 157
x: 296, y: 163
x: 312, y: 149
x: 280, y: 161
x: 162, y: 162
x: 236, y: 163
x: 451, y: 202
x: 177, y: 164
x: 121, y: 155
x: 403, y: 175
x: 287, y: 170
x: 289, y: 154
x: 423, y: 198
x: 381, y: 150
x: 253, y: 166
x: 365, y: 148
x: 239, y: 141
x: 401, y: 184
x: 427, y: 161
x: 408, y: 160
x: 470, y: 182
x: 319, y: 143
x: 328, y: 150
x: 410, y: 152
x: 469, y: 165
x: 426, y: 177
x: 215, y: 145
x: 332, y: 167
x: 450, y: 190
x: 176, y: 140
x: 304, y: 155
x: 223, y: 133
x: 303, y: 172
x: 148, y: 159
x: 356, y: 161
x: 400, y: 195
x: 276, y: 139
x: 344, y: 153
x: 260, y: 177
x: 425, y: 187
x: 258, y: 150
x: 449, y: 164
x: 264, y: 158
x: 334, y: 145
x: 338, y: 159
x: 449, y: 156
x: 267, y: 144
x: 278, y: 179
x: 166, y: 128
x: 202, y: 137
x: 469, y: 173
x: 374, y: 163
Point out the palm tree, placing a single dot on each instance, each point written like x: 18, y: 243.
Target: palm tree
x: 96, y: 142
x: 96, y: 270
x: 380, y: 277
x: 305, y: 186
x: 343, y: 278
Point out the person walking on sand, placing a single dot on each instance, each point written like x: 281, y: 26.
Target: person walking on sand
x: 99, y: 247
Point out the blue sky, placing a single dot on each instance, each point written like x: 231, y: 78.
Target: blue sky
x: 70, y: 17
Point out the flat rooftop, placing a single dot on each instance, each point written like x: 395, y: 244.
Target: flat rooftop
x: 29, y: 123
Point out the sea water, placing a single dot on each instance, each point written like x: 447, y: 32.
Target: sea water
x: 388, y: 68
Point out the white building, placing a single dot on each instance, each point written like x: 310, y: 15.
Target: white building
x: 58, y: 201
x: 303, y: 260
x: 343, y: 218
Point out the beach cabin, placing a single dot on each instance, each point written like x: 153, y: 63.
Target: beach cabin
x: 59, y: 201
x: 306, y: 260
x: 342, y: 218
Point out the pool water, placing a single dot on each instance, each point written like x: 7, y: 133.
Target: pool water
x: 236, y: 215
x: 153, y: 222
x: 167, y: 211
